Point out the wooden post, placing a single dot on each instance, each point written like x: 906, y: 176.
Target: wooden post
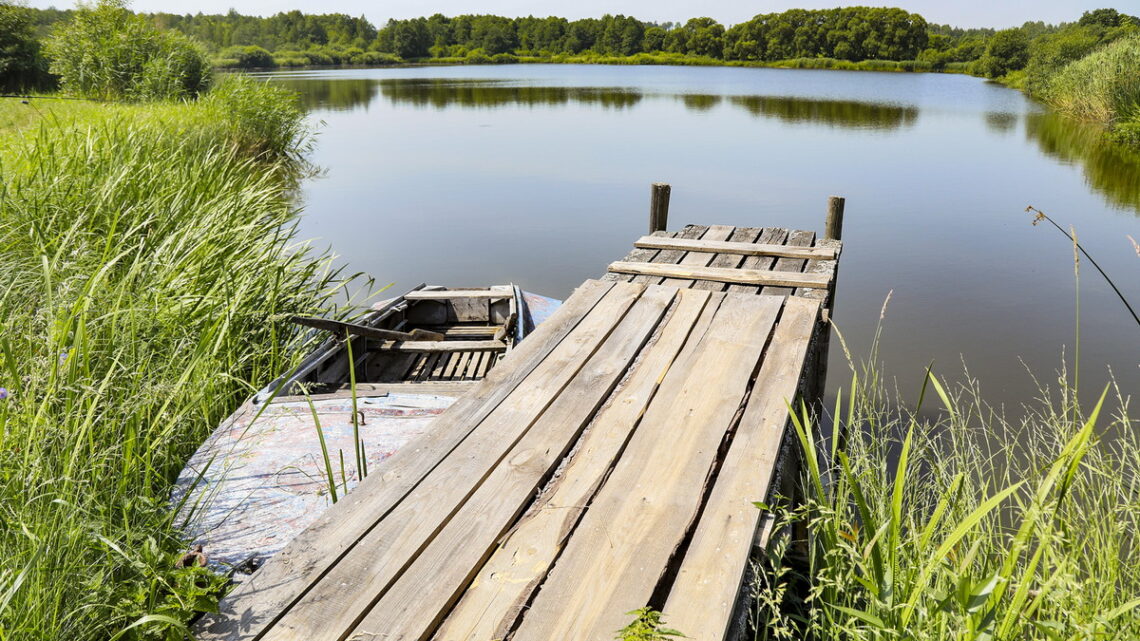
x: 658, y: 207
x: 833, y: 227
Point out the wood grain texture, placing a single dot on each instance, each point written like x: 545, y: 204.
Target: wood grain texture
x: 502, y: 586
x: 622, y: 547
x: 714, y: 233
x: 411, y: 609
x: 744, y: 276
x: 713, y: 246
x: 255, y: 604
x: 670, y: 256
x: 729, y: 261
x: 448, y: 294
x: 771, y: 236
x: 338, y: 601
x: 712, y: 571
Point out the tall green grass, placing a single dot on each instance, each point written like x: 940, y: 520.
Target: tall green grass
x: 147, y: 261
x: 961, y: 524
x: 1104, y: 87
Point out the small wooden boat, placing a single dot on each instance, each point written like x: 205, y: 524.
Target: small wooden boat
x: 262, y: 477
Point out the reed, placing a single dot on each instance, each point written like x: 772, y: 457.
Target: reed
x: 149, y: 262
x: 960, y: 523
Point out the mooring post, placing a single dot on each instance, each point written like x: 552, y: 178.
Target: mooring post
x: 833, y: 227
x: 659, y: 206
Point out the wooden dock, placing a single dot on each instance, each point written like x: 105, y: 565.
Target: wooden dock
x: 609, y: 462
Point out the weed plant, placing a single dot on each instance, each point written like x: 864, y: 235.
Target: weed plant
x: 149, y: 261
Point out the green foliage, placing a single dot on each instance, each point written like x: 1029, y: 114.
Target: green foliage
x: 962, y: 527
x: 1101, y: 87
x: 849, y: 33
x: 248, y: 57
x: 109, y: 53
x: 646, y: 626
x: 149, y: 262
x: 21, y: 64
x: 1006, y: 51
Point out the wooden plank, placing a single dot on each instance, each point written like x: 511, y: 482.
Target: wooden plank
x: 364, y: 390
x: 461, y: 367
x: 729, y: 261
x: 771, y: 236
x: 337, y: 601
x: 504, y: 584
x: 745, y: 276
x: 440, y: 365
x: 637, y: 256
x: 712, y: 246
x: 441, y: 346
x: 463, y: 331
x: 705, y: 591
x: 799, y: 238
x: 340, y: 328
x: 413, y: 606
x: 671, y: 256
x: 620, y: 550
x: 255, y: 604
x: 714, y: 233
x: 452, y: 364
x: 448, y: 294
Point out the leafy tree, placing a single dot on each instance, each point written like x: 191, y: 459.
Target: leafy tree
x: 21, y: 65
x: 1007, y: 50
x: 107, y: 52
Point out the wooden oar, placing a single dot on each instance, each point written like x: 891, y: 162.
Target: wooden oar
x: 340, y: 327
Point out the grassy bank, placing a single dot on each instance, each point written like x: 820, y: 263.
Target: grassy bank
x: 148, y: 257
x: 959, y: 523
x: 1103, y: 87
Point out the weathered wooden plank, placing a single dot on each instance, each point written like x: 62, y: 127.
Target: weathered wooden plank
x: 770, y: 236
x: 706, y: 587
x: 622, y: 546
x: 502, y: 587
x: 745, y: 276
x: 339, y: 599
x: 363, y: 390
x: 413, y: 606
x: 671, y: 256
x: 797, y: 238
x: 463, y: 331
x: 711, y: 246
x: 442, y: 346
x: 698, y: 259
x: 637, y: 255
x: 255, y: 604
x: 729, y: 261
x: 448, y: 294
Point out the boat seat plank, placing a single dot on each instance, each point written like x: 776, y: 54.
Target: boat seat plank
x: 448, y: 294
x: 441, y: 346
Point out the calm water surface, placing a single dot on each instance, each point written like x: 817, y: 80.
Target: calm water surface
x: 539, y: 175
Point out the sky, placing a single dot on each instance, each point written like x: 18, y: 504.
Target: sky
x: 962, y: 13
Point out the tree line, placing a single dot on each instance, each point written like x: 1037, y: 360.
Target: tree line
x: 845, y: 35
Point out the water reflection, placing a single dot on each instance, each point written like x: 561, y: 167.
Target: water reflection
x: 700, y: 102
x: 1111, y: 169
x: 835, y: 113
x: 1001, y: 122
x: 441, y: 93
x: 334, y: 95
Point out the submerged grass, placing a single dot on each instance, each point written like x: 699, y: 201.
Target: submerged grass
x: 961, y: 523
x: 148, y: 260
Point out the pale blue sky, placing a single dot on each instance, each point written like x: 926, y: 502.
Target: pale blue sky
x: 964, y: 13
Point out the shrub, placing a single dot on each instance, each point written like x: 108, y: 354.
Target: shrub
x: 109, y: 53
x: 1103, y: 86
x: 251, y: 57
x: 504, y: 58
x: 21, y: 64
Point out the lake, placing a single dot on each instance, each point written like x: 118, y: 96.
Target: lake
x: 539, y: 175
